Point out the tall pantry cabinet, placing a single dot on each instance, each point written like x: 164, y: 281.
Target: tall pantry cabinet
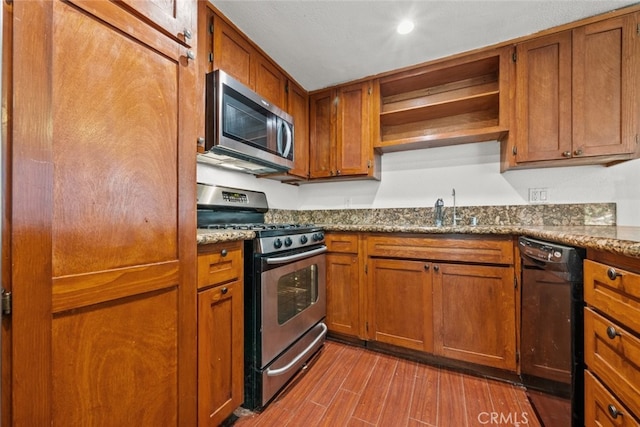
x: 99, y: 231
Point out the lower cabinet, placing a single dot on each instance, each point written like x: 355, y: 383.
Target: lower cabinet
x: 401, y: 303
x: 220, y: 332
x: 343, y: 285
x: 474, y: 312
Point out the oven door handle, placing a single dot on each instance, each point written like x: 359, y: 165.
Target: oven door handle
x: 287, y: 367
x: 296, y: 257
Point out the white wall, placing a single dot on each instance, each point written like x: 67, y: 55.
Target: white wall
x: 417, y: 178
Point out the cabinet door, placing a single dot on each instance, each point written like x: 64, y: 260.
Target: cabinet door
x: 343, y: 314
x: 474, y: 314
x: 298, y: 107
x: 401, y: 301
x: 177, y: 18
x: 543, y: 98
x: 231, y: 52
x: 220, y: 353
x: 354, y: 146
x: 321, y: 133
x: 102, y: 228
x: 606, y: 57
x: 269, y: 81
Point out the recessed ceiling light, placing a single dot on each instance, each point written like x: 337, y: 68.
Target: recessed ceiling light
x: 405, y: 27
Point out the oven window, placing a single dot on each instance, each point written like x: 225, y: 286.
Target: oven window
x: 297, y: 291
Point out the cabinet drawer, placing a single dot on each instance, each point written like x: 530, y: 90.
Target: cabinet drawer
x: 219, y: 263
x: 343, y: 243
x: 612, y: 353
x: 601, y: 408
x: 614, y: 291
x: 469, y: 249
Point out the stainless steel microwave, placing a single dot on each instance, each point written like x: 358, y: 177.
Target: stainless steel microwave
x: 242, y: 125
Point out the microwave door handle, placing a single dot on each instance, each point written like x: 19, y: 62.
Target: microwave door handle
x: 287, y: 130
x: 279, y: 124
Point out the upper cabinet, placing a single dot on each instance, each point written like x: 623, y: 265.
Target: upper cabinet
x: 340, y: 133
x: 449, y: 102
x: 298, y: 107
x: 174, y: 17
x: 234, y: 53
x: 577, y: 96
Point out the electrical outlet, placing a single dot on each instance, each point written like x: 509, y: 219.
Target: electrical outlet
x: 538, y: 195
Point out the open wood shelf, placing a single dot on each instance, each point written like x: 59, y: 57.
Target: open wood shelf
x: 451, y: 102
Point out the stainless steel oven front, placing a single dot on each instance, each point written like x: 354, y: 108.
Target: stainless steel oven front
x: 285, y: 308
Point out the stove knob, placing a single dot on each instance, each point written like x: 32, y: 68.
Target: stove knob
x: 288, y: 242
x: 304, y: 239
x: 318, y: 236
x: 277, y: 243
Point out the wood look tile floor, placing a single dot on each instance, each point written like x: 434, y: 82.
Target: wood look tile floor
x: 352, y: 386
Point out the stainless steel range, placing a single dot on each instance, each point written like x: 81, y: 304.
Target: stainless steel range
x: 285, y: 288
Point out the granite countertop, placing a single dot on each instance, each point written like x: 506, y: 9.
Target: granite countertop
x: 616, y: 239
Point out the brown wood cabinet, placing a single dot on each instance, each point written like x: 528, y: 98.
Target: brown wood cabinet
x: 169, y: 17
x: 236, y: 55
x: 474, y: 311
x: 612, y: 346
x: 450, y: 296
x: 298, y: 107
x: 102, y: 229
x: 577, y: 96
x: 344, y: 298
x: 220, y: 332
x: 340, y: 133
x: 400, y: 303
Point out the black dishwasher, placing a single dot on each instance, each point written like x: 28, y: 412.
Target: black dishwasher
x: 551, y: 347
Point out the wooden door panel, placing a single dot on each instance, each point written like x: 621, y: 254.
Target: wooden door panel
x: 343, y: 294
x: 605, y: 61
x: 298, y: 107
x: 169, y: 16
x: 484, y: 331
x: 269, y: 81
x: 115, y: 364
x: 321, y: 138
x: 114, y: 130
x: 231, y: 52
x: 401, y: 303
x: 543, y: 100
x: 354, y: 143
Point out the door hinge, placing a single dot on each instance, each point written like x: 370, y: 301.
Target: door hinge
x: 211, y: 27
x: 515, y: 282
x: 286, y: 87
x: 637, y: 138
x: 638, y: 29
x: 517, y: 357
x: 514, y: 150
x: 6, y: 302
x: 368, y: 164
x: 366, y: 326
x: 514, y: 56
x: 210, y: 56
x: 366, y: 269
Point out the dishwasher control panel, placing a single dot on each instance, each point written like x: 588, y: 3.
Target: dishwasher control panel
x: 543, y: 251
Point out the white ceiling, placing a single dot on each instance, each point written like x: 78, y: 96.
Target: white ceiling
x: 321, y: 43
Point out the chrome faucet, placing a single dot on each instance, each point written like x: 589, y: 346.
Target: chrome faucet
x: 439, y: 212
x: 455, y: 217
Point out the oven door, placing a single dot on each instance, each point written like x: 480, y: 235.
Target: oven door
x: 293, y: 299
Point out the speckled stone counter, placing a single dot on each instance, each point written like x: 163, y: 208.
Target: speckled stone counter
x: 205, y: 237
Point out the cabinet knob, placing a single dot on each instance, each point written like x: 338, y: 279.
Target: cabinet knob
x: 436, y: 267
x: 224, y: 290
x: 613, y: 273
x: 426, y: 267
x: 614, y: 412
x: 191, y: 55
x: 567, y: 154
x: 578, y: 152
x: 612, y: 333
x: 223, y: 252
x: 187, y: 33
x: 338, y: 172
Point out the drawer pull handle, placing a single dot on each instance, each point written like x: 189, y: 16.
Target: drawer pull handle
x: 613, y: 274
x: 612, y: 333
x: 613, y: 411
x: 224, y: 291
x: 223, y: 252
